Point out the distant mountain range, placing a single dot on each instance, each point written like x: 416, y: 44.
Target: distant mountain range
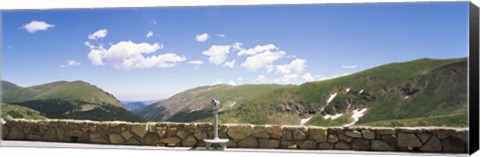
x: 424, y: 92
x: 132, y: 105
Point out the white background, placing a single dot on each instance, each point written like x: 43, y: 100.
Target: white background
x: 76, y: 152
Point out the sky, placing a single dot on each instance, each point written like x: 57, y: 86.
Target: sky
x: 154, y: 53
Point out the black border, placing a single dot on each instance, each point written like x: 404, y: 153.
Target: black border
x: 473, y: 79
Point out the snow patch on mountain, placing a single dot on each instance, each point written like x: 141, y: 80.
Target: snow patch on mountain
x: 331, y: 98
x: 231, y: 104
x: 357, y: 114
x: 305, y: 120
x: 333, y: 117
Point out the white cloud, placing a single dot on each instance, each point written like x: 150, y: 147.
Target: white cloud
x: 232, y: 83
x: 221, y: 35
x: 257, y: 49
x: 296, y: 66
x: 260, y: 79
x: 262, y: 60
x: 102, y: 33
x: 217, y: 54
x: 197, y: 63
x: 89, y: 45
x: 217, y: 81
x: 349, y: 66
x: 127, y: 55
x: 332, y: 77
x: 291, y: 56
x: 309, y: 77
x: 291, y: 72
x: 149, y: 34
x: 230, y: 64
x: 202, y: 37
x: 153, y: 22
x: 289, y: 78
x: 35, y: 26
x: 71, y: 63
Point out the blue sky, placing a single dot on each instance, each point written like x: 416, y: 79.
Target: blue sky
x: 196, y: 46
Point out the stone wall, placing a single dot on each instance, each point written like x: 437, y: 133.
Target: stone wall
x: 451, y: 140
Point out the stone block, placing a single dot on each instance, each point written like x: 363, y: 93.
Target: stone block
x: 368, y: 134
x: 342, y: 145
x: 408, y: 140
x: 308, y: 144
x: 381, y: 146
x: 432, y: 145
x: 385, y: 131
x: 317, y: 134
x: 116, y: 138
x: 325, y: 146
x: 274, y: 130
x: 332, y: 138
x: 236, y: 133
x: 248, y: 142
x: 354, y: 134
x: 139, y: 129
x: 454, y: 145
x: 171, y: 140
x: 345, y: 138
x: 360, y: 144
x: 269, y: 143
x: 260, y: 132
x: 189, y: 141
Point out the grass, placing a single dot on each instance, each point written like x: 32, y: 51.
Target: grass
x: 180, y: 107
x: 440, y: 83
x: 68, y: 100
x: 76, y: 90
x: 455, y: 120
x: 17, y: 111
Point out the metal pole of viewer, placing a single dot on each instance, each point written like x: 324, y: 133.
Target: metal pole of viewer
x: 216, y: 140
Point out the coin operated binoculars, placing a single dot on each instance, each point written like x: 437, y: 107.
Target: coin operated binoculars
x: 216, y: 140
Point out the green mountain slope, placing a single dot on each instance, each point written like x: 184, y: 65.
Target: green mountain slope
x: 411, y: 93
x: 17, y: 111
x: 68, y: 100
x: 195, y: 104
x: 75, y: 91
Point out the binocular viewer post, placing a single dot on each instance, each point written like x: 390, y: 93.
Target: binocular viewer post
x: 215, y: 140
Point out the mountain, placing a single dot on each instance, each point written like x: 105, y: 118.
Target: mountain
x: 68, y: 100
x: 422, y: 92
x: 17, y: 111
x: 133, y: 105
x: 195, y: 104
